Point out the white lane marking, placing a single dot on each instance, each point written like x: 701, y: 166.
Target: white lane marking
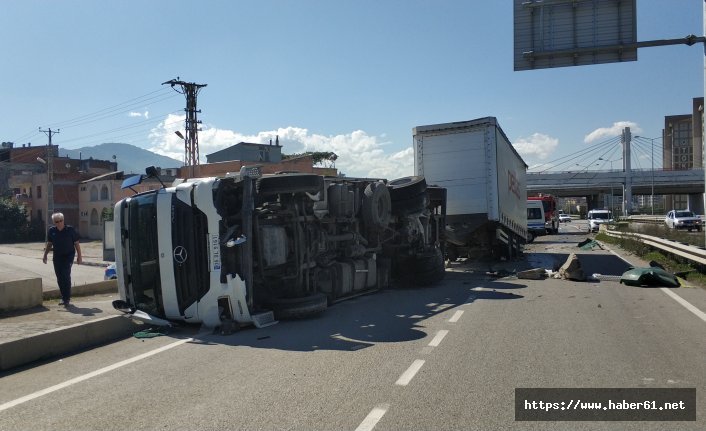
x: 92, y: 374
x: 683, y: 302
x: 456, y: 316
x: 700, y: 314
x: 437, y: 339
x: 408, y: 375
x: 373, y: 418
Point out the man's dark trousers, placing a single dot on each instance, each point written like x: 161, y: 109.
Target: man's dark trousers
x: 62, y: 269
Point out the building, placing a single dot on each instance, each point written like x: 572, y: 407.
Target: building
x: 97, y: 197
x: 683, y: 149
x: 25, y: 176
x: 303, y: 164
x: 248, y: 152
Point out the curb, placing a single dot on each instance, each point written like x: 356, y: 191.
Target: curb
x: 65, y: 340
x: 107, y: 286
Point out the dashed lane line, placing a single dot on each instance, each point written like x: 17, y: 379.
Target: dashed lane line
x: 373, y: 418
x: 438, y: 337
x: 408, y: 375
x: 457, y: 315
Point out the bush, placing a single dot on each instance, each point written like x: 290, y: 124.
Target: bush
x: 14, y: 226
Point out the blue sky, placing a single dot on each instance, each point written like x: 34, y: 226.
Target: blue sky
x: 353, y: 77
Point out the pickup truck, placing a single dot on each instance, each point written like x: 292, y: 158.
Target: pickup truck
x: 683, y: 219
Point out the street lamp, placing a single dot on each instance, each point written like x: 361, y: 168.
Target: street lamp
x: 652, y: 145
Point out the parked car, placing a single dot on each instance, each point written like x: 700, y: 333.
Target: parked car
x: 110, y: 272
x: 683, y: 219
x: 564, y: 218
x: 597, y: 218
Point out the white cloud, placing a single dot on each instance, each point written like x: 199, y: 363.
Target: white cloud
x: 359, y: 154
x: 145, y: 114
x: 537, y: 146
x: 610, y: 132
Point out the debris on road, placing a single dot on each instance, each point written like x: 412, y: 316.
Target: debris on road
x: 653, y: 276
x: 589, y: 244
x: 533, y: 274
x: 571, y: 269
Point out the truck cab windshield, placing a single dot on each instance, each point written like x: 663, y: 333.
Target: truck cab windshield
x: 143, y: 253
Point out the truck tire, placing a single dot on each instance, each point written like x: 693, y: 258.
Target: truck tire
x: 290, y: 183
x: 299, y: 308
x: 406, y: 188
x: 530, y: 237
x: 412, y: 205
x: 376, y: 206
x: 430, y: 268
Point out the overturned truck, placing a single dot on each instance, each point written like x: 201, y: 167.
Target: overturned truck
x: 250, y: 248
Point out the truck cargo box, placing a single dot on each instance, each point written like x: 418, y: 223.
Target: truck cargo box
x: 485, y: 179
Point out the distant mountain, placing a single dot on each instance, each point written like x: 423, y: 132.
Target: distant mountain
x: 131, y: 159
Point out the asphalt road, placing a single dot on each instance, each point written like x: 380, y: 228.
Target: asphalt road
x: 442, y: 358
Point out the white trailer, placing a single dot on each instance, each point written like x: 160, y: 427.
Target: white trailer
x: 486, y: 184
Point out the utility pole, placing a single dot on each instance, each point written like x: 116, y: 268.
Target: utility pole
x: 50, y: 175
x: 190, y: 90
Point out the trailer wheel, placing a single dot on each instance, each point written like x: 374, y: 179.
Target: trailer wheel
x: 406, y: 187
x: 376, y: 206
x: 290, y: 183
x: 299, y: 308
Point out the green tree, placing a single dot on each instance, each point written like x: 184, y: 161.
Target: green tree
x: 14, y: 226
x: 107, y: 214
x: 318, y: 157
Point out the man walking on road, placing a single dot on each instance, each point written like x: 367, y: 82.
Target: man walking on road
x: 63, y: 240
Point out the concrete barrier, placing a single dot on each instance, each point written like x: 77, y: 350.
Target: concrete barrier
x: 65, y: 340
x: 21, y: 294
x: 107, y: 286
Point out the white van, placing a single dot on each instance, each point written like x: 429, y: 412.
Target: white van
x: 535, y: 220
x: 597, y: 218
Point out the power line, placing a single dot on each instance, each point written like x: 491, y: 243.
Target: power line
x: 150, y: 122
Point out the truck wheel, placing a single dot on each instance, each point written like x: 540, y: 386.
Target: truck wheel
x: 406, y: 188
x: 290, y: 183
x: 376, y: 206
x: 530, y: 237
x: 414, y: 204
x: 430, y: 268
x: 299, y: 308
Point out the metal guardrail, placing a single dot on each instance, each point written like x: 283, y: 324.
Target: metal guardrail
x: 651, y: 219
x: 689, y: 252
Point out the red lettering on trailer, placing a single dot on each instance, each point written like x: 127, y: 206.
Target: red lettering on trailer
x: 512, y: 184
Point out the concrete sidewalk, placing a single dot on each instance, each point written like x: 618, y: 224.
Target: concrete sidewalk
x: 52, y: 330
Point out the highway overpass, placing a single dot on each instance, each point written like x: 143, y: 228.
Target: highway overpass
x: 592, y: 183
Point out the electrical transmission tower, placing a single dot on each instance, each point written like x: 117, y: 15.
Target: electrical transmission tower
x: 191, y: 140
